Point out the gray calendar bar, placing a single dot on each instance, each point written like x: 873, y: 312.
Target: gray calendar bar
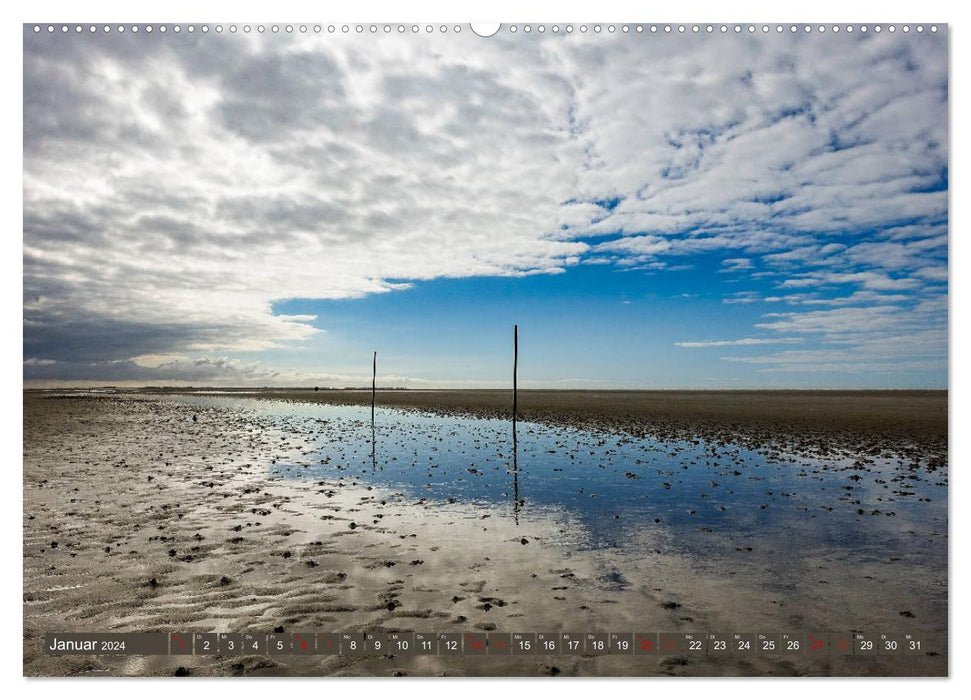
x: 107, y: 644
x: 393, y: 644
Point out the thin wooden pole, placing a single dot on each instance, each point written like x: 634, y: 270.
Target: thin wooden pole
x: 515, y: 416
x: 374, y: 443
x: 515, y: 380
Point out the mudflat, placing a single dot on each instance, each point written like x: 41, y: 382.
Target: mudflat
x: 811, y: 422
x: 617, y: 512
x: 918, y: 416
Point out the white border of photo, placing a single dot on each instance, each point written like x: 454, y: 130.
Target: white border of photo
x: 441, y: 11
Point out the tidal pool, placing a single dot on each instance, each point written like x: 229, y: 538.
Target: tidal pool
x: 618, y: 492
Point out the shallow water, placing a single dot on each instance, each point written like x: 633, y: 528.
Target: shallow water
x: 625, y: 494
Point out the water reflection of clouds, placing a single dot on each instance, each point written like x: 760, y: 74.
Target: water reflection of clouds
x: 623, y: 493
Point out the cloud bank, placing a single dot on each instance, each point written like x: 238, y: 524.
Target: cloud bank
x: 176, y: 186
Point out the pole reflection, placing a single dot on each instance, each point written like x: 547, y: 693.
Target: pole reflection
x: 515, y: 474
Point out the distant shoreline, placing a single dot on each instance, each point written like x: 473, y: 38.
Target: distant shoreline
x: 269, y: 390
x: 820, y: 422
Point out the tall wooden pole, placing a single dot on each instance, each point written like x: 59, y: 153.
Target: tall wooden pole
x: 515, y: 416
x: 515, y: 373
x: 374, y: 379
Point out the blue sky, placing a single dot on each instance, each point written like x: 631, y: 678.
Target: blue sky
x: 734, y: 211
x: 592, y: 325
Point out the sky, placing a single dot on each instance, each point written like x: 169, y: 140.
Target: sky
x: 654, y: 211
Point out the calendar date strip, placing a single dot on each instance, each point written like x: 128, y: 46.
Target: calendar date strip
x: 482, y: 643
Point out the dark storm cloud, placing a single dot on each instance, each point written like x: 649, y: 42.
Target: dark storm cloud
x: 88, y: 338
x: 201, y: 370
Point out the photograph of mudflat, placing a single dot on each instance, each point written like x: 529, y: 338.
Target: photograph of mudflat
x: 572, y: 348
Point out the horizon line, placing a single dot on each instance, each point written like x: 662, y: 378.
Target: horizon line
x: 312, y: 389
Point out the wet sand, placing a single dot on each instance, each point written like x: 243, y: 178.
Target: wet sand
x: 138, y: 518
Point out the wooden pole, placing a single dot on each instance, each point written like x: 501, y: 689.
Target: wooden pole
x: 515, y: 373
x: 374, y: 379
x: 515, y: 416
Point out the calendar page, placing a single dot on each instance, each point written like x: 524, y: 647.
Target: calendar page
x: 449, y: 349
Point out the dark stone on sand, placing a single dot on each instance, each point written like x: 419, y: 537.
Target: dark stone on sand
x: 172, y: 552
x: 53, y: 545
x: 152, y: 583
x: 675, y: 661
x: 352, y: 525
x: 392, y: 605
x: 278, y: 629
x: 311, y: 564
x: 225, y: 581
x: 907, y: 613
x: 181, y: 672
x: 524, y: 541
x: 670, y: 605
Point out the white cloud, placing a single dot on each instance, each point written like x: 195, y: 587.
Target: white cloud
x: 890, y: 353
x: 176, y: 187
x: 739, y: 341
x: 736, y: 264
x: 38, y: 362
